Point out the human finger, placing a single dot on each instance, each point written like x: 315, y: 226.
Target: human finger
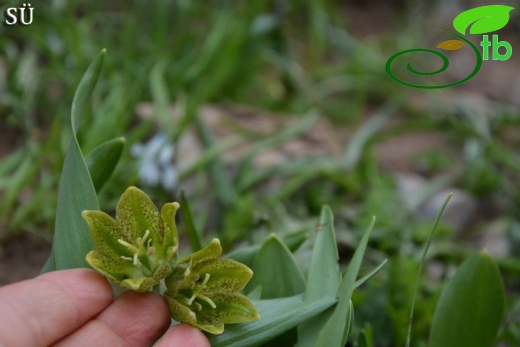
x: 183, y: 335
x: 50, y: 306
x: 132, y: 320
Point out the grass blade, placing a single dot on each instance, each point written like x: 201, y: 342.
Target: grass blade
x: 371, y: 274
x: 421, y: 265
x: 193, y: 235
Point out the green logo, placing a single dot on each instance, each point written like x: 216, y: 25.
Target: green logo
x: 479, y: 20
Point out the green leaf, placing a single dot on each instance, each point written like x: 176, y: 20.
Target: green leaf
x: 275, y: 261
x: 72, y: 239
x: 324, y: 276
x: 365, y: 338
x: 246, y: 255
x: 277, y: 316
x: 102, y: 161
x: 50, y: 264
x: 369, y: 275
x: 471, y: 307
x: 483, y: 19
x: 336, y: 330
x: 85, y: 89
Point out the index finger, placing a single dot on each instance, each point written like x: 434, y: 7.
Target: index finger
x: 51, y: 306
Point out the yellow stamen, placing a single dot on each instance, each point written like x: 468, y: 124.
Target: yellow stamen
x: 208, y: 300
x: 200, y: 296
x: 130, y: 247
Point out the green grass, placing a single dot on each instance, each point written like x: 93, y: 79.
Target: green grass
x: 296, y: 57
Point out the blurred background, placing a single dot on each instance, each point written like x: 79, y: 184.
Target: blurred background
x: 263, y: 111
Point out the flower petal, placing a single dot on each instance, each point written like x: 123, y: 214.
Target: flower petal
x: 168, y: 213
x: 211, y: 324
x: 226, y: 275
x: 104, y: 232
x: 114, y: 269
x: 213, y: 250
x: 230, y: 309
x: 236, y: 308
x: 180, y: 312
x: 136, y: 213
x: 140, y: 284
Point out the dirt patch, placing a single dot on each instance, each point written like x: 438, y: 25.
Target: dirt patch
x: 22, y: 258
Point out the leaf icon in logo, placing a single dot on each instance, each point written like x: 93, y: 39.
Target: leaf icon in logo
x: 483, y: 19
x: 451, y: 45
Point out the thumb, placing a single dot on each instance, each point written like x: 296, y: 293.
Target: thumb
x: 183, y: 335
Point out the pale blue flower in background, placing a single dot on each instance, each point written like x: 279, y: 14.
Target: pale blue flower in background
x: 155, y: 162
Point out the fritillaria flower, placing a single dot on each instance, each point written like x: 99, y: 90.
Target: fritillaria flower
x: 139, y: 248
x: 204, y: 291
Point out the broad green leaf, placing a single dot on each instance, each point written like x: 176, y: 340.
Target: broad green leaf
x: 324, y: 276
x: 349, y: 323
x: 50, y: 264
x: 471, y: 306
x: 335, y: 331
x: 483, y: 19
x: 277, y: 316
x: 85, y: 88
x: 72, y: 239
x: 451, y: 45
x: 102, y: 161
x: 246, y: 255
x: 276, y: 271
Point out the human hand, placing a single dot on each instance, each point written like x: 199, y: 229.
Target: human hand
x: 77, y: 308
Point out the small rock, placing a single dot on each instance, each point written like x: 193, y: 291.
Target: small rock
x: 458, y: 213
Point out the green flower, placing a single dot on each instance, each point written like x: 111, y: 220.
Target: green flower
x: 137, y: 249
x: 203, y: 291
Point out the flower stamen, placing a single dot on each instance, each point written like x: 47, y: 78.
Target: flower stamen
x: 199, y: 289
x: 130, y: 247
x: 142, y: 245
x: 208, y: 300
x: 136, y: 260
